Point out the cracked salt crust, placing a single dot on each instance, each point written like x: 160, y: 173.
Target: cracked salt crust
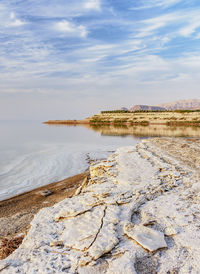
x: 149, y: 193
x: 148, y: 238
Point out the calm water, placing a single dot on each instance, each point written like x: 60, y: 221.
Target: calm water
x: 33, y: 154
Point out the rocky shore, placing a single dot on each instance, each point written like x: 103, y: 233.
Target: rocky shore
x: 138, y: 213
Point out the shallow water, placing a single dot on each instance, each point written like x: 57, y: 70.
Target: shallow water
x: 33, y: 154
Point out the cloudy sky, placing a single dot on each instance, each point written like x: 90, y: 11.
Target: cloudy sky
x: 72, y: 58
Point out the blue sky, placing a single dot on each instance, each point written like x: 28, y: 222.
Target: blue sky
x: 72, y: 58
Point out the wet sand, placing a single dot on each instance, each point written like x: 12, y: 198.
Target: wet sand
x: 17, y: 212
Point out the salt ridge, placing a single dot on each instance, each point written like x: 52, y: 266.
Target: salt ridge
x: 140, y: 199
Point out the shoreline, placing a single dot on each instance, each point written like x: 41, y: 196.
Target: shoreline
x: 169, y: 118
x: 67, y: 122
x: 17, y: 212
x: 146, y: 123
x: 137, y: 210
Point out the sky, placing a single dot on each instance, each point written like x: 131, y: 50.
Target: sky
x: 68, y: 59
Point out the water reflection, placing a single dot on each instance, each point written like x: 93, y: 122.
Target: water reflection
x: 147, y: 131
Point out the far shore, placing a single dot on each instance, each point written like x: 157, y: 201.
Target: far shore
x: 114, y: 118
x: 67, y: 122
x: 83, y: 122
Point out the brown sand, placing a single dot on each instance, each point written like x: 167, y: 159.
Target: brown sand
x: 16, y: 213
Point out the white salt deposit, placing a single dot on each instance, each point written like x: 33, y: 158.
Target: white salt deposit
x: 139, y: 200
x: 145, y: 236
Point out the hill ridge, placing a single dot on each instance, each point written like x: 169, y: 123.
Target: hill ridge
x: 191, y: 104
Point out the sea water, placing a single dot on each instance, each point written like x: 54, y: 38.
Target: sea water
x: 33, y: 154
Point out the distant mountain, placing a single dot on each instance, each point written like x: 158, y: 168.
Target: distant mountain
x: 144, y: 107
x: 182, y: 104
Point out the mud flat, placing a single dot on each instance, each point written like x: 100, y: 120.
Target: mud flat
x: 138, y: 213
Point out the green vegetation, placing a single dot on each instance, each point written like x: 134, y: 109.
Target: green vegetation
x: 97, y: 120
x: 186, y: 110
x: 139, y: 123
x: 143, y: 123
x: 183, y: 123
x: 99, y: 126
x: 149, y: 111
x: 145, y: 118
x: 120, y: 126
x: 120, y: 121
x: 115, y: 111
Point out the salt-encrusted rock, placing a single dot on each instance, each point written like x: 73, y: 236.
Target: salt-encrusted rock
x: 170, y: 231
x: 147, y: 218
x: 97, y: 268
x: 80, y: 232
x: 81, y: 187
x: 148, y: 238
x: 76, y: 206
x: 100, y: 169
x: 3, y: 265
x: 107, y: 238
x: 196, y: 187
x: 139, y: 186
x: 123, y: 264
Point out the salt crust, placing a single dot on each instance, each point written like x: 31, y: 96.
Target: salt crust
x: 140, y: 199
x: 149, y: 238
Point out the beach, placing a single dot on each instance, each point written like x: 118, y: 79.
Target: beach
x: 138, y: 212
x: 16, y: 213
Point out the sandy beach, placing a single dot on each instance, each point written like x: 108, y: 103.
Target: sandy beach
x: 138, y: 212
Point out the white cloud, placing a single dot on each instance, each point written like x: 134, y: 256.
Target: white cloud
x: 15, y: 22
x: 93, y: 5
x: 156, y: 3
x: 184, y: 24
x: 65, y: 26
x: 165, y: 3
x: 12, y: 15
x: 189, y: 29
x: 83, y: 31
x: 9, y: 19
x: 70, y: 28
x: 40, y: 62
x: 198, y: 36
x: 150, y: 26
